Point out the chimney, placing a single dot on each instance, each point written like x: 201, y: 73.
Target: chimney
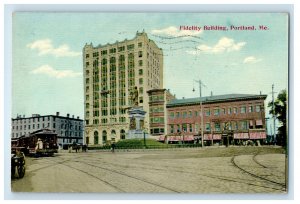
x: 211, y: 93
x: 72, y: 116
x: 77, y: 117
x: 57, y: 113
x: 68, y: 115
x: 259, y: 92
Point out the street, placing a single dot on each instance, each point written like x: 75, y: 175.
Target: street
x: 207, y: 170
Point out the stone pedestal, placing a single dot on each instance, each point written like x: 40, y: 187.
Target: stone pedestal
x: 136, y: 124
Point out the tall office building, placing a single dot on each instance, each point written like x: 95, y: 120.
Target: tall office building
x: 111, y: 73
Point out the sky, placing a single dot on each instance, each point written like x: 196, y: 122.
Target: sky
x: 47, y: 54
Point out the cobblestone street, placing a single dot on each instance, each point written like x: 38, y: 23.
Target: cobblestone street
x: 208, y: 170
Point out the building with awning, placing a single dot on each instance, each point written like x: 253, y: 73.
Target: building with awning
x: 232, y: 117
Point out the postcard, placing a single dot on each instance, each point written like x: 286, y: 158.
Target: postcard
x: 180, y: 103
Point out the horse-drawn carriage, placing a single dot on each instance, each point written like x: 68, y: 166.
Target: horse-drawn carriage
x: 17, y: 162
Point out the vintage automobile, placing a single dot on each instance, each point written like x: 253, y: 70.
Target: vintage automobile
x: 17, y: 162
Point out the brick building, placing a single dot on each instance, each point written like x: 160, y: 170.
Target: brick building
x: 231, y: 118
x: 158, y: 98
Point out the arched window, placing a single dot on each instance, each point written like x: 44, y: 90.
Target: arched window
x: 104, y: 137
x: 122, y: 134
x: 96, y: 138
x: 113, y: 135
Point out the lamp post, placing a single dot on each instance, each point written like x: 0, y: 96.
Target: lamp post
x: 145, y: 131
x: 201, y: 111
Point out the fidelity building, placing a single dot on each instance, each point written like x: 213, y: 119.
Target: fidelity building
x: 111, y: 73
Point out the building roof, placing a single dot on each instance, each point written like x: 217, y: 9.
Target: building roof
x: 214, y: 99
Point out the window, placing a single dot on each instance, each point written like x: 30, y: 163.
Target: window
x: 172, y: 128
x: 141, y: 90
x: 229, y: 110
x: 140, y: 81
x: 95, y: 54
x: 234, y: 126
x: 190, y: 114
x: 140, y: 53
x: 250, y: 109
x: 112, y: 50
x: 177, y: 114
x: 120, y: 49
x: 184, y: 115
x: 207, y: 112
x: 140, y: 62
x: 172, y: 115
x: 207, y: 126
x: 235, y: 110
x: 130, y: 47
x: 178, y: 128
x: 223, y: 111
x: 141, y: 99
x: 217, y: 127
x: 191, y: 128
x: 140, y: 72
x: 104, y: 52
x: 184, y: 127
x: 243, y: 109
x: 87, y: 55
x: 244, y: 125
x: 217, y: 111
x: 140, y: 44
x: 257, y: 108
x: 95, y: 137
x: 196, y: 113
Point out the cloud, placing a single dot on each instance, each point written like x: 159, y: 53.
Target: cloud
x: 45, y: 47
x: 251, y: 60
x: 223, y: 45
x: 175, y: 32
x: 59, y: 74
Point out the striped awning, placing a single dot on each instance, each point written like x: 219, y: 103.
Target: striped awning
x: 257, y: 135
x: 180, y: 138
x: 161, y: 138
x: 207, y: 137
x: 217, y: 136
x: 241, y: 135
x: 258, y: 122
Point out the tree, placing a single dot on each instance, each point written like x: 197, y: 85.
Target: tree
x: 280, y: 107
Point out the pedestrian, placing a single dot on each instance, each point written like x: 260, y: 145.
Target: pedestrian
x: 113, y: 146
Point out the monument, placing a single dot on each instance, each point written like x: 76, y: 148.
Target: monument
x: 136, y: 117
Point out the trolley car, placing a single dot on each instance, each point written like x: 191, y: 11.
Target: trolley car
x: 39, y: 143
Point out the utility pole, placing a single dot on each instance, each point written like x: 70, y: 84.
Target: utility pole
x: 273, y: 107
x: 201, y: 114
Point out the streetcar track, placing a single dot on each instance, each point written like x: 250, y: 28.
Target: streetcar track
x: 257, y: 162
x: 123, y: 174
x: 239, y: 180
x: 133, y: 177
x: 254, y: 175
x: 230, y: 179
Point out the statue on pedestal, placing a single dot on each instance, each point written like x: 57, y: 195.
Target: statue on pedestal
x: 134, y: 96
